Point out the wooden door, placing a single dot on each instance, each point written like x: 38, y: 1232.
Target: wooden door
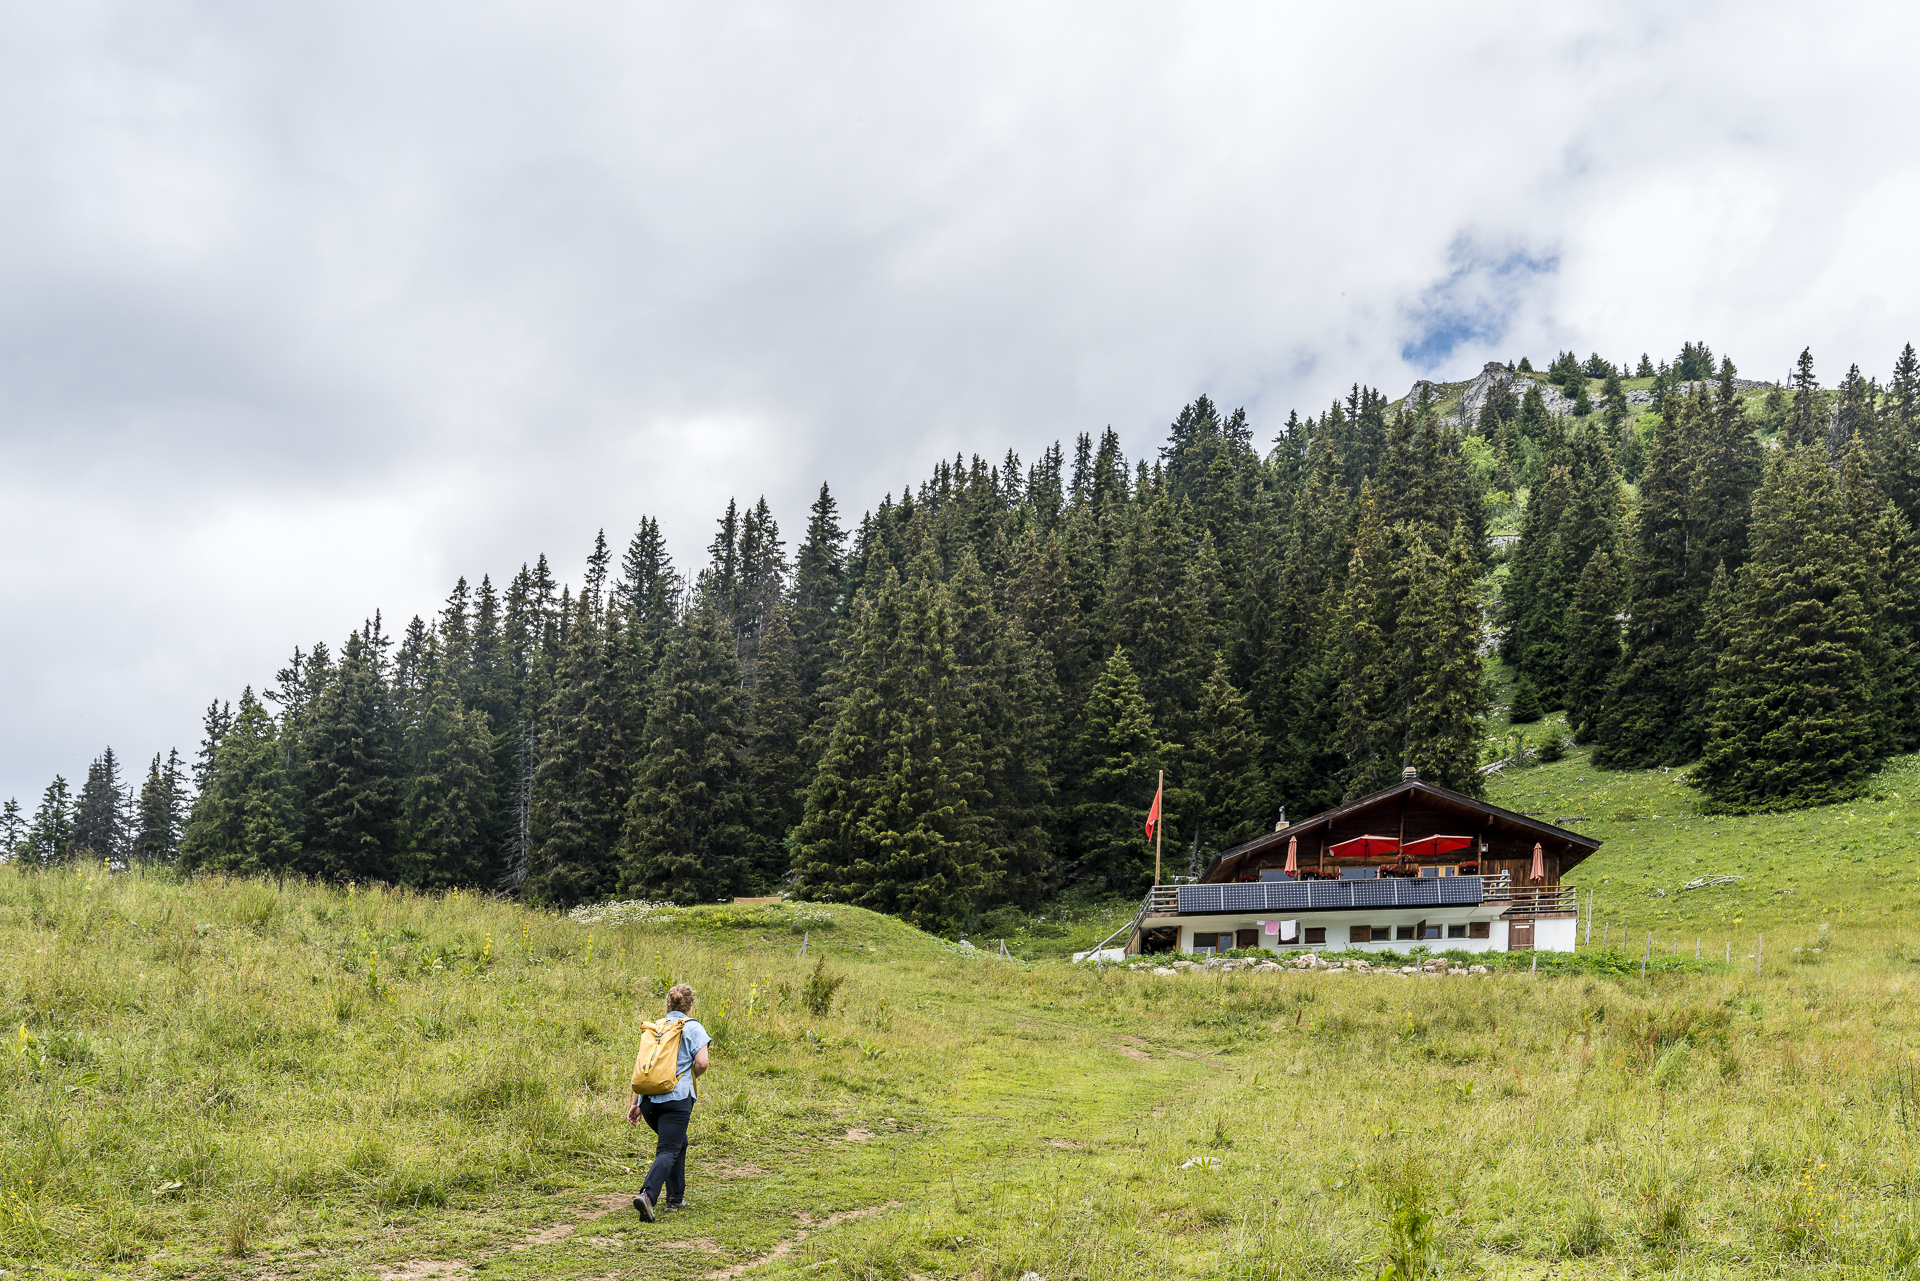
x: 1520, y: 936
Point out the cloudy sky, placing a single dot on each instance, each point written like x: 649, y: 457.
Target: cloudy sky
x: 308, y: 309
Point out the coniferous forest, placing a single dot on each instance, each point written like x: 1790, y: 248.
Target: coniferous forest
x: 961, y: 700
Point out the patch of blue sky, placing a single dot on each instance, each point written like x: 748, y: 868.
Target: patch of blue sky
x: 1474, y: 303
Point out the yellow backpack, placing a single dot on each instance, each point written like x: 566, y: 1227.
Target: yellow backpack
x: 657, y: 1066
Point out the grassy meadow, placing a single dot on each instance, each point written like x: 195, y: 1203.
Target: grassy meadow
x: 242, y: 1079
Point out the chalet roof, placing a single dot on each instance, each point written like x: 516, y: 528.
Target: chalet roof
x: 1569, y: 845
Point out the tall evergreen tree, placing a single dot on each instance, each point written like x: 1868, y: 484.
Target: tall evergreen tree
x: 100, y: 816
x: 50, y: 835
x: 1593, y: 643
x: 13, y: 831
x: 777, y: 743
x: 350, y: 752
x: 160, y: 815
x: 448, y: 794
x: 581, y: 785
x: 1792, y: 713
x: 1441, y: 683
x: 819, y: 595
x: 1117, y: 757
x: 688, y: 822
x: 1223, y: 774
x: 246, y: 821
x: 893, y: 819
x: 1806, y: 418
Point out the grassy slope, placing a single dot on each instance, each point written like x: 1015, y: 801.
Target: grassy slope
x: 239, y: 1079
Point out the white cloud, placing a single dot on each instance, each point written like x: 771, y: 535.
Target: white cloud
x: 306, y: 309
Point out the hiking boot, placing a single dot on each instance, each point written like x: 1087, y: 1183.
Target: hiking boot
x: 644, y: 1204
x: 671, y: 1206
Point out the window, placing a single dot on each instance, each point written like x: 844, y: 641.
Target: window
x: 1359, y: 873
x: 1316, y: 934
x: 1360, y: 934
x: 1403, y: 932
x: 1246, y: 938
x: 1429, y: 931
x: 1478, y: 929
x: 1208, y: 943
x: 1429, y: 871
x: 1272, y: 874
x: 1456, y: 931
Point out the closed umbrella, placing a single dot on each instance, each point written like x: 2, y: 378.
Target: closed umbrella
x: 1539, y: 863
x: 1293, y: 856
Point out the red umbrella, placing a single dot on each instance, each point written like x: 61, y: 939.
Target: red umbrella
x: 1539, y: 863
x: 1432, y: 846
x: 1293, y: 856
x: 1362, y: 846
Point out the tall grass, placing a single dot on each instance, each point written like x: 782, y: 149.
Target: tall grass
x: 216, y: 1077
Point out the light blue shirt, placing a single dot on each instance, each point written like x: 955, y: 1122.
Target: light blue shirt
x: 693, y: 1039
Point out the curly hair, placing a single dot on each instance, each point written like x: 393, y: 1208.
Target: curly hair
x: 680, y: 997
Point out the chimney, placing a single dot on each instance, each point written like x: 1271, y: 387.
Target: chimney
x: 1409, y: 775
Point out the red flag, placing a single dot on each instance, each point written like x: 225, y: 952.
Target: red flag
x: 1153, y: 815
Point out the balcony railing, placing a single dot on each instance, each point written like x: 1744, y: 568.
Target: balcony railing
x: 1527, y: 900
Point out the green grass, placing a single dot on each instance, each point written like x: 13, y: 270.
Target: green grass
x: 223, y: 1078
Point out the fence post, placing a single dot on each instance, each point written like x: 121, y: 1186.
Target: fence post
x: 1729, y: 952
x: 1647, y: 955
x: 1536, y: 965
x: 1696, y: 947
x: 1590, y: 894
x: 1603, y: 934
x: 804, y: 940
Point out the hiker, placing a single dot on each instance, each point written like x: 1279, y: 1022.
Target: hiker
x: 669, y: 1107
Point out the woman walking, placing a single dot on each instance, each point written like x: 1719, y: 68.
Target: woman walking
x: 669, y: 1113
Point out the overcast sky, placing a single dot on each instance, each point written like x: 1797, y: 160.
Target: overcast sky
x: 308, y: 309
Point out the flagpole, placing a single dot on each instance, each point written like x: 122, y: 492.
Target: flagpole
x: 1160, y: 790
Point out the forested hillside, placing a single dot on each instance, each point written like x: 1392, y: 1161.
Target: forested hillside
x: 963, y: 700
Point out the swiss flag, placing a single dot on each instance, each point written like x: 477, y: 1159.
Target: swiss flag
x: 1153, y: 815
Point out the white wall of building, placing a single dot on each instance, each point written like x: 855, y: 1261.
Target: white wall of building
x: 1552, y: 934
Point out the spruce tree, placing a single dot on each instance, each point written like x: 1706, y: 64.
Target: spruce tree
x: 50, y: 835
x: 99, y: 816
x: 1221, y: 768
x: 160, y: 815
x: 894, y: 815
x: 247, y: 821
x: 1442, y: 686
x: 1792, y: 716
x: 689, y: 820
x: 13, y: 831
x: 352, y: 809
x: 580, y: 786
x: 819, y: 597
x: 1894, y: 436
x: 778, y: 754
x: 448, y: 795
x: 1807, y: 417
x: 1593, y: 643
x: 1367, y: 697
x: 1116, y: 760
x: 1525, y: 708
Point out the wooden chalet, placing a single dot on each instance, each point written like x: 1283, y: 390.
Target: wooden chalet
x: 1414, y: 864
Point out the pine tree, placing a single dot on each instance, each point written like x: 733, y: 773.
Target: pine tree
x: 819, y: 596
x: 353, y: 806
x: 581, y: 785
x: 1894, y: 437
x: 13, y: 831
x: 99, y: 817
x: 688, y: 822
x: 448, y: 793
x: 1367, y: 699
x: 50, y: 836
x: 1792, y: 713
x: 161, y: 812
x: 778, y: 755
x: 247, y: 820
x: 1117, y: 756
x: 1442, y: 686
x: 1526, y: 707
x: 1222, y: 771
x: 1593, y: 643
x: 1806, y: 418
x: 893, y: 818
x: 1651, y: 716
x: 216, y: 719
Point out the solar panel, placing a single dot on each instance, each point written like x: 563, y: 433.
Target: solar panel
x: 1297, y: 896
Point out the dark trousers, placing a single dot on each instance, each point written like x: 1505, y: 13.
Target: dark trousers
x: 669, y: 1169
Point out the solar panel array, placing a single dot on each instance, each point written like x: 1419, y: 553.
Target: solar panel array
x: 1325, y: 896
